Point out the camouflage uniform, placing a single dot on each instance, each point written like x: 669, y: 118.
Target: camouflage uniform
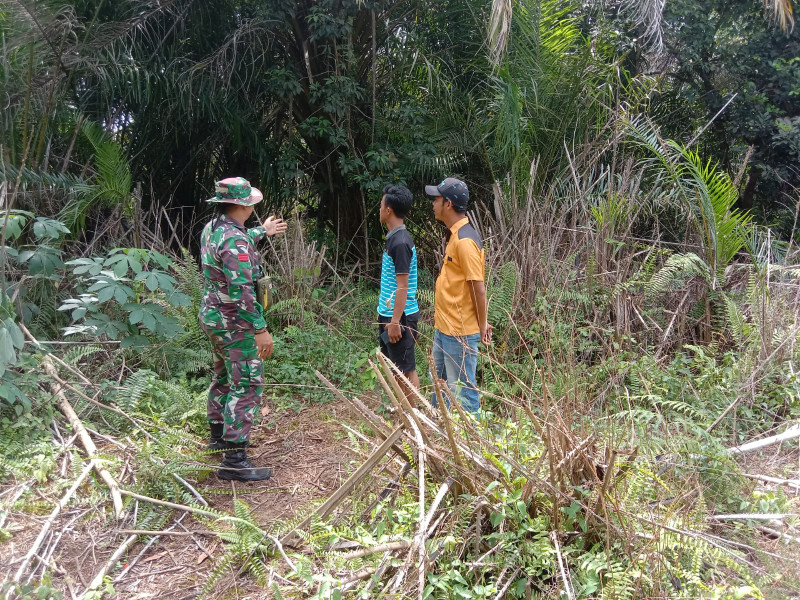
x: 230, y: 315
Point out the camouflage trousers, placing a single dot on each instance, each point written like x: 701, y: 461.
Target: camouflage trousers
x: 237, y: 384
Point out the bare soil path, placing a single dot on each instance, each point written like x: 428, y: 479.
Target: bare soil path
x: 309, y: 460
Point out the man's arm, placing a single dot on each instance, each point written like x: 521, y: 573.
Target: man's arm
x: 400, y: 296
x: 477, y: 290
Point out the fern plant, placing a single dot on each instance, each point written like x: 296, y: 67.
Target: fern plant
x: 247, y: 546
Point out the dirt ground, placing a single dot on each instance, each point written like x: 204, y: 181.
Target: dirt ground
x: 309, y: 456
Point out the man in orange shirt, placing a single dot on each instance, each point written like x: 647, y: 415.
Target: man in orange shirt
x: 460, y: 307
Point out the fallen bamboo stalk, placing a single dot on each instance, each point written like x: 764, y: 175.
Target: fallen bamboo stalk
x: 290, y: 538
x: 112, y: 561
x: 398, y: 374
x: 561, y: 566
x: 448, y: 425
x: 493, y: 471
x: 50, y: 519
x: 419, y: 540
x: 790, y: 434
x: 357, y: 576
x: 401, y: 396
x: 85, y: 438
x: 793, y: 483
x: 425, y: 532
x: 371, y: 418
x: 387, y: 547
x: 53, y: 374
x: 778, y: 534
x: 752, y: 517
x: 390, y: 394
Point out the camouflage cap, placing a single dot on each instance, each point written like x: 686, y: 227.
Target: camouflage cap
x: 236, y: 190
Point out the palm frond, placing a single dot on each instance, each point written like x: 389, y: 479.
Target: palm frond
x: 782, y: 13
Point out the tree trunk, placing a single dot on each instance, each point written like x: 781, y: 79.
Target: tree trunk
x: 746, y: 197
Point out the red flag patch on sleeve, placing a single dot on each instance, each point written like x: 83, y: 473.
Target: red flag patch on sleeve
x: 244, y: 257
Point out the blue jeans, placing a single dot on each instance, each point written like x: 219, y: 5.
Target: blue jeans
x: 456, y: 359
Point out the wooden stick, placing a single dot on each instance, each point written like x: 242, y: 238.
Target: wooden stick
x: 502, y: 593
x: 279, y: 546
x: 193, y: 491
x: 400, y: 395
x: 49, y: 522
x: 419, y: 539
x: 387, y: 547
x: 790, y: 434
x: 166, y: 532
x: 424, y: 532
x: 98, y: 579
x: 752, y: 517
x: 121, y: 413
x: 561, y: 568
x: 85, y: 438
x: 793, y: 483
x: 398, y: 374
x: 778, y: 534
x: 54, y: 375
x: 359, y: 575
x: 191, y: 509
x: 17, y: 495
x: 150, y: 542
x: 371, y: 418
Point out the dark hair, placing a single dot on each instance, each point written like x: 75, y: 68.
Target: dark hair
x: 399, y: 198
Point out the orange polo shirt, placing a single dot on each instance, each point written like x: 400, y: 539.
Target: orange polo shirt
x: 454, y: 310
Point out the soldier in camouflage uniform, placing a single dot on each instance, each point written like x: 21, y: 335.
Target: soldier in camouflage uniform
x: 233, y: 319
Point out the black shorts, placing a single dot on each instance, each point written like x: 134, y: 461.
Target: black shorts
x: 401, y: 353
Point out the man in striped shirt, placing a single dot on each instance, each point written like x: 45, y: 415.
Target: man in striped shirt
x: 398, y: 311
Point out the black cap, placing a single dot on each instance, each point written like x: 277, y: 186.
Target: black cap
x: 451, y: 189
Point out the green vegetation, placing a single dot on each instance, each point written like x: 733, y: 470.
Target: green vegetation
x: 642, y: 276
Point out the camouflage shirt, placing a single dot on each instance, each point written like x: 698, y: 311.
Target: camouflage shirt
x: 231, y: 266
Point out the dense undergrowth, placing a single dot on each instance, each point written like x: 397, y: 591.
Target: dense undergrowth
x: 621, y: 372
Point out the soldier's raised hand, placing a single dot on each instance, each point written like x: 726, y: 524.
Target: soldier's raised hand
x: 274, y: 225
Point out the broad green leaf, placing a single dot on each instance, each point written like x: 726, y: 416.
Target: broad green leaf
x: 496, y: 518
x: 45, y: 261
x: 13, y: 395
x: 105, y: 293
x: 44, y: 228
x: 121, y: 268
x: 134, y: 341
x: 90, y: 266
x: 14, y: 226
x: 17, y: 338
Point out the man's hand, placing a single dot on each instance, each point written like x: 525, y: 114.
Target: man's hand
x: 394, y: 331
x: 264, y: 344
x: 486, y: 334
x: 274, y: 225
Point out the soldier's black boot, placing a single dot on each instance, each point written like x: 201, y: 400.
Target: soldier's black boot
x: 236, y: 466
x: 215, y: 441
